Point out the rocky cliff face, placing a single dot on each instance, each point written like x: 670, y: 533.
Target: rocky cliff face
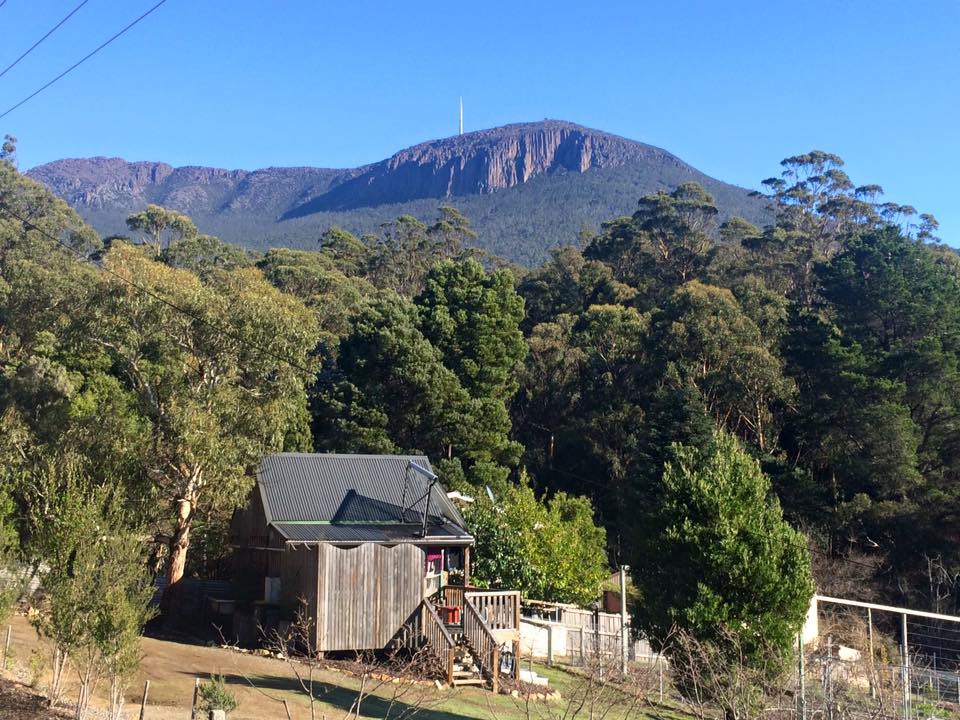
x: 483, y: 162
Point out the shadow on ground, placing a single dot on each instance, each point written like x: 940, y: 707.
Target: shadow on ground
x: 418, y: 701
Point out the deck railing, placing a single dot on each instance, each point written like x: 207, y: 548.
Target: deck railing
x: 452, y: 595
x: 499, y: 608
x: 439, y: 640
x: 482, y: 643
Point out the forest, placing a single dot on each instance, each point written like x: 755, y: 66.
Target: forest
x: 664, y: 395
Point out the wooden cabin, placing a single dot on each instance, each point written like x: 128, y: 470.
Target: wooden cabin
x: 359, y: 540
x: 374, y: 552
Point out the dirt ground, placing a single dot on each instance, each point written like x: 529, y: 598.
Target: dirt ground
x: 18, y: 702
x: 260, y: 684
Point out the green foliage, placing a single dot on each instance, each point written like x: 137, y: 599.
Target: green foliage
x: 550, y: 549
x: 709, y: 341
x: 96, y: 588
x: 719, y: 555
x: 389, y: 391
x: 826, y: 342
x: 203, y: 254
x: 473, y: 318
x: 162, y: 227
x: 216, y: 695
x: 218, y: 392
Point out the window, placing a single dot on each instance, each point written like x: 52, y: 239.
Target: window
x: 434, y: 562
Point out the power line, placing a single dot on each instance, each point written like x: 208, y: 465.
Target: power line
x: 229, y: 332
x: 80, y: 61
x: 49, y: 33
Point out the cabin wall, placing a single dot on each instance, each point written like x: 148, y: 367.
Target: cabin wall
x: 298, y: 583
x: 257, y: 549
x: 366, y: 593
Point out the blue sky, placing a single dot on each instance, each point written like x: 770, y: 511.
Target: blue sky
x: 731, y: 87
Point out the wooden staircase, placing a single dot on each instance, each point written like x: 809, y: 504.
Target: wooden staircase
x: 465, y: 669
x: 467, y: 653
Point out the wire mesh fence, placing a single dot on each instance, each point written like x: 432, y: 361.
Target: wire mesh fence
x: 875, y: 661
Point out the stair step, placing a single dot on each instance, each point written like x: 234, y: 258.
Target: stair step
x: 469, y: 681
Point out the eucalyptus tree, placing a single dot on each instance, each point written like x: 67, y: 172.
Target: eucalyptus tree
x: 161, y: 227
x: 216, y: 370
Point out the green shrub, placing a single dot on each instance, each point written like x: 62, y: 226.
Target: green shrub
x: 215, y: 695
x: 38, y: 666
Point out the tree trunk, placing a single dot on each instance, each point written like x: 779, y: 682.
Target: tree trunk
x: 56, y: 680
x: 179, y: 544
x: 117, y: 688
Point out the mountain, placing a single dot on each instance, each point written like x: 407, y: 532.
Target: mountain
x: 526, y: 187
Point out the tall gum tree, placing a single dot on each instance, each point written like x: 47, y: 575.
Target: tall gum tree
x: 218, y: 369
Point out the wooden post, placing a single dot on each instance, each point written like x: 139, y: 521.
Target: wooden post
x: 6, y: 647
x: 660, y: 671
x: 550, y: 645
x: 466, y: 568
x: 143, y: 703
x: 583, y: 648
x: 196, y: 693
x: 450, y: 659
x: 495, y: 670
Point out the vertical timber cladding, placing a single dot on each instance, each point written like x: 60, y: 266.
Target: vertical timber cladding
x: 366, y: 593
x: 298, y: 580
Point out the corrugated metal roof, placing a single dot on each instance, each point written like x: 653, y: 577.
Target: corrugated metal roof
x: 322, y: 532
x: 350, y: 490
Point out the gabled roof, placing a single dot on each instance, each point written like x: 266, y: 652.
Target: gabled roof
x: 356, y: 498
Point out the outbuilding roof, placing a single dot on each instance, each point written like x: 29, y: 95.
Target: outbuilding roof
x: 349, y: 499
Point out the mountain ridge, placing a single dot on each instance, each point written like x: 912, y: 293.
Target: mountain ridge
x: 533, y: 184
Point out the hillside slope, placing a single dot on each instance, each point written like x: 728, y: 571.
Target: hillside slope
x: 526, y: 187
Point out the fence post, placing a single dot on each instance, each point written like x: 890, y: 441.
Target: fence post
x: 827, y: 678
x: 873, y: 684
x: 196, y: 693
x: 583, y: 648
x: 6, y: 646
x: 143, y: 703
x: 905, y: 666
x: 802, y: 695
x: 660, y: 671
x: 550, y: 645
x: 623, y: 619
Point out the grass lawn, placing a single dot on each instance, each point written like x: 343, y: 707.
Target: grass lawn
x: 262, y: 684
